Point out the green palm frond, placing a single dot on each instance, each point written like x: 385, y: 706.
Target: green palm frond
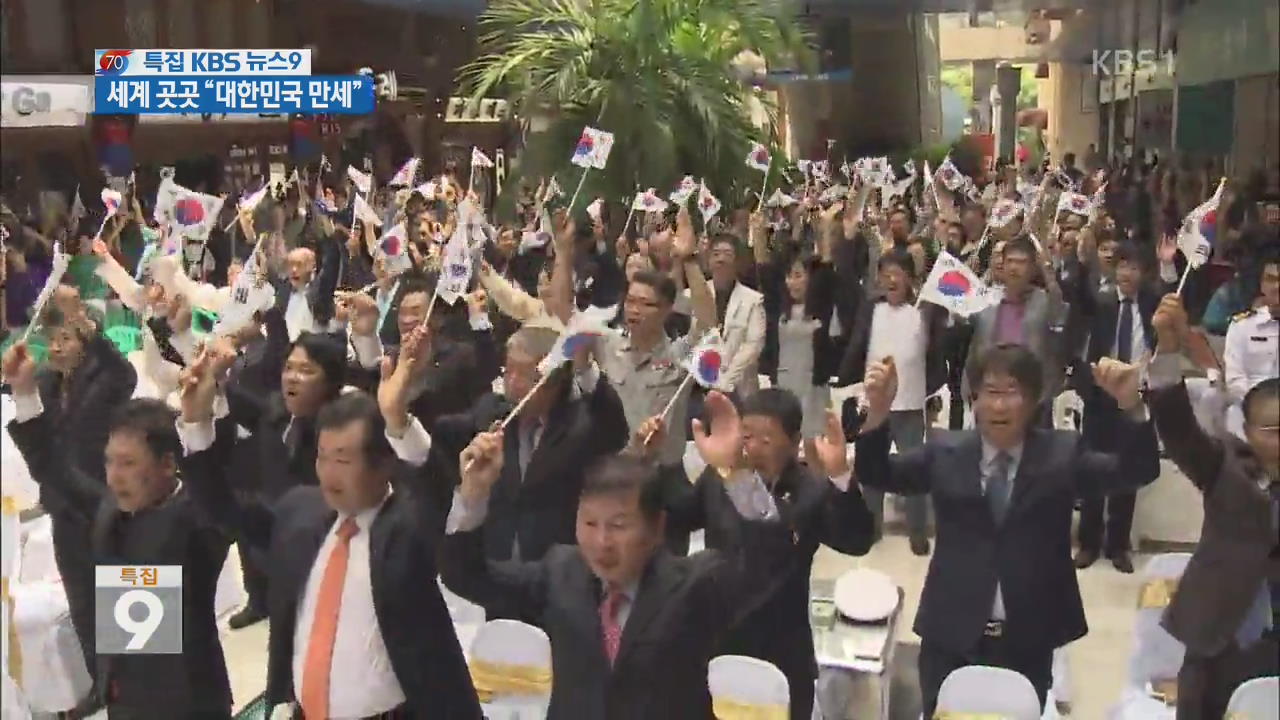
x: 656, y: 73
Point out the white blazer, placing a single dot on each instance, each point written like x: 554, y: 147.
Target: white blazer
x: 743, y: 338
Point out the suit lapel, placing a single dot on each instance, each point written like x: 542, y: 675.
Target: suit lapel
x: 1029, y: 481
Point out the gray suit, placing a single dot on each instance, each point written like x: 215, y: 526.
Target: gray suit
x: 1042, y: 326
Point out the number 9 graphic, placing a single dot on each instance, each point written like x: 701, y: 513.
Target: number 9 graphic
x: 143, y: 629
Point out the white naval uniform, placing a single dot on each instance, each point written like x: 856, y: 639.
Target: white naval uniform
x: 1251, y: 355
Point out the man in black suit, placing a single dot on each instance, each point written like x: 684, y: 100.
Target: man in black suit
x: 358, y: 625
x: 140, y: 516
x: 85, y: 379
x: 632, y: 627
x: 1120, y: 329
x: 305, y: 298
x: 818, y: 504
x: 306, y: 375
x: 547, y: 448
x: 1001, y: 589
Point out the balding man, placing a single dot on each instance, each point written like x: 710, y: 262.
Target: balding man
x: 305, y: 298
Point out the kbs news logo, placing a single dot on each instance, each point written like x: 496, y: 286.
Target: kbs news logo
x: 1124, y: 62
x: 112, y: 62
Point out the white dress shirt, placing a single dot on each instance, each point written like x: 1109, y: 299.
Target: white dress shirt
x: 989, y: 453
x: 1138, y: 337
x: 899, y: 332
x: 1251, y: 355
x: 361, y: 680
x: 297, y: 314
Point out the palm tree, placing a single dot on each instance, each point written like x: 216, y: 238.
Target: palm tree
x: 656, y: 73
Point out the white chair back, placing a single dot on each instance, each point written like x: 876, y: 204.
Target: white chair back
x: 511, y: 666
x: 1257, y: 699
x: 740, y: 685
x: 1156, y: 654
x: 984, y: 690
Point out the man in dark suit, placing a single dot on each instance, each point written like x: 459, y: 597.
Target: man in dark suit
x: 1120, y: 329
x: 306, y: 375
x: 305, y: 298
x: 1001, y: 589
x: 1229, y: 592
x: 816, y: 502
x: 85, y: 379
x: 140, y: 516
x: 632, y: 627
x: 358, y: 625
x: 547, y: 448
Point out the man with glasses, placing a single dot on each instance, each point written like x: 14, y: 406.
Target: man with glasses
x: 1225, y: 607
x: 1001, y: 588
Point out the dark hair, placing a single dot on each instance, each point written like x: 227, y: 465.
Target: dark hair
x: 153, y: 420
x: 964, y: 234
x: 905, y: 210
x: 662, y: 284
x: 620, y: 474
x: 778, y: 404
x: 1069, y: 158
x: 723, y: 239
x: 975, y: 207
x: 1267, y: 389
x: 326, y: 351
x: 900, y: 258
x: 353, y: 407
x: 1128, y: 252
x: 1022, y: 244
x: 1013, y: 360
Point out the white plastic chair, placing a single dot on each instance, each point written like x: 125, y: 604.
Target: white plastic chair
x: 1156, y: 654
x: 981, y: 689
x: 737, y: 680
x: 509, y: 643
x: 1257, y: 699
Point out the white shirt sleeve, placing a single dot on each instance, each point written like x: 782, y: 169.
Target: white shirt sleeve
x: 1164, y: 371
x: 414, y: 446
x: 27, y: 407
x: 367, y: 349
x: 199, y: 436
x: 842, y: 480
x: 464, y: 516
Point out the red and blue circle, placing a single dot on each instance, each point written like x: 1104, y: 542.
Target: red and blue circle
x: 188, y: 211
x: 953, y: 283
x: 709, y: 366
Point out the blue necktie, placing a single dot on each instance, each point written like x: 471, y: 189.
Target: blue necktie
x: 998, y: 487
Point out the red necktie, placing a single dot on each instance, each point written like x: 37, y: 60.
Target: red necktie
x: 610, y: 630
x: 324, y: 626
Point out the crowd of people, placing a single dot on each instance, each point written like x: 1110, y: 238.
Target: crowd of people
x: 357, y: 435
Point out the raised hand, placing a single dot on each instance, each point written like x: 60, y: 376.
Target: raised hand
x: 685, y: 245
x: 1166, y: 248
x: 393, y: 390
x: 363, y: 311
x: 722, y: 447
x: 197, y: 387
x: 648, y: 437
x: 481, y: 463
x: 1119, y: 380
x: 832, y: 452
x: 881, y: 384
x: 19, y: 369
x: 1170, y: 323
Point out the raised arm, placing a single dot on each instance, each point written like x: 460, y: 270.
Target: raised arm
x: 511, y: 300
x: 685, y: 251
x: 463, y: 565
x: 560, y: 300
x: 207, y: 442
x: 1198, y: 455
x: 906, y: 473
x: 1137, y: 462
x: 34, y: 434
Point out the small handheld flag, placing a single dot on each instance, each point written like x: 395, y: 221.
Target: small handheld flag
x: 592, y: 150
x: 780, y: 199
x: 706, y: 361
x: 758, y: 158
x: 648, y: 201
x: 688, y: 186
x: 479, y: 159
x: 708, y: 204
x: 1199, y: 232
x: 393, y: 249
x: 405, y: 175
x: 362, y: 181
x: 952, y: 285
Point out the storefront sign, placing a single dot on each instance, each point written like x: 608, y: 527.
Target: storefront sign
x: 45, y: 100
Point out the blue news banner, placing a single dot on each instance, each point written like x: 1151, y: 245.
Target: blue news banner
x: 227, y: 94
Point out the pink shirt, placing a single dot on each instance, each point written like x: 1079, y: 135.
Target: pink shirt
x: 1009, y: 322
